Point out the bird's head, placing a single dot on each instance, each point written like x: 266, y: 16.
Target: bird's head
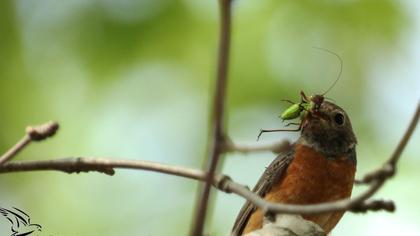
x: 328, y: 130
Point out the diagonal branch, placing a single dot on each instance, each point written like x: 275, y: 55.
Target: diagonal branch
x: 217, y: 130
x: 389, y: 168
x: 12, y: 152
x: 357, y: 204
x: 33, y: 133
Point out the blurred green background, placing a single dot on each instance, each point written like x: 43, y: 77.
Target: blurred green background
x: 134, y: 79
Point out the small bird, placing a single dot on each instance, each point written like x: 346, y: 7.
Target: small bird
x: 320, y: 167
x: 21, y: 224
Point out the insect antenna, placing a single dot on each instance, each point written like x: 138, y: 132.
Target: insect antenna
x: 341, y: 67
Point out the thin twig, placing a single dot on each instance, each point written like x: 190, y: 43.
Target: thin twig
x: 12, y: 152
x: 222, y: 182
x: 410, y: 130
x: 33, y: 133
x: 389, y: 168
x: 217, y: 130
x: 354, y: 205
x: 102, y: 165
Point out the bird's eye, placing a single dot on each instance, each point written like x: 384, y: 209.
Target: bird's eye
x: 339, y: 119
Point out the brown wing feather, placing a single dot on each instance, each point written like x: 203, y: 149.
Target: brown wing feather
x: 271, y: 175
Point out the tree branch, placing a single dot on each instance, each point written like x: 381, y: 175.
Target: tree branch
x: 33, y: 133
x: 217, y: 142
x: 389, y: 168
x: 354, y: 205
x: 102, y: 165
x: 221, y: 182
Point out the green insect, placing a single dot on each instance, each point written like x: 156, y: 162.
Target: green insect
x: 307, y: 104
x: 310, y: 104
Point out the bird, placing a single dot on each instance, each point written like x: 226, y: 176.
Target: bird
x: 21, y: 223
x: 319, y: 167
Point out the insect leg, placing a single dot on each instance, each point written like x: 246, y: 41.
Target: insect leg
x: 278, y: 130
x: 304, y: 97
x: 292, y: 123
x: 286, y: 100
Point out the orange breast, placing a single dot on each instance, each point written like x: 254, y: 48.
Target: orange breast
x: 311, y: 178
